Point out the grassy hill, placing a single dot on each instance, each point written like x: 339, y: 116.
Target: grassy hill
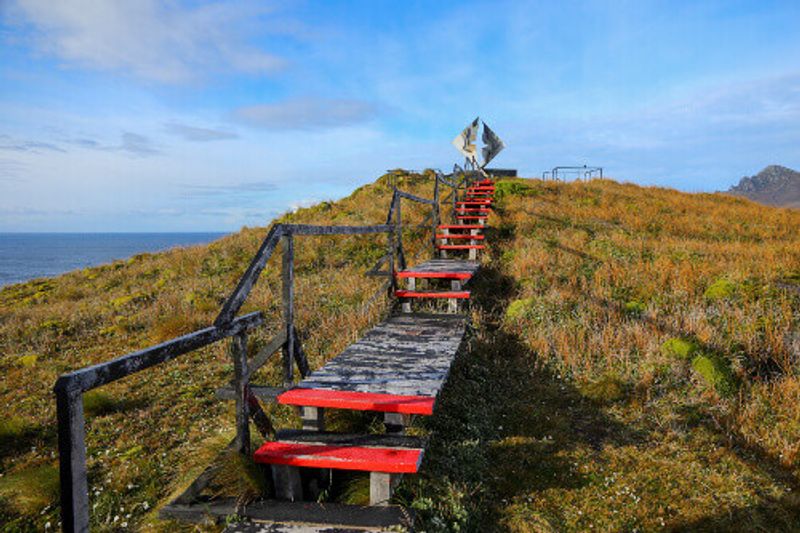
x: 634, y: 365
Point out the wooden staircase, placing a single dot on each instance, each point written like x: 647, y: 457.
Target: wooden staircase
x: 397, y: 368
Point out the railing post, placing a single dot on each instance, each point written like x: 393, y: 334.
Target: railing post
x: 390, y: 237
x: 435, y: 213
x: 401, y: 256
x: 240, y: 386
x: 72, y: 459
x: 287, y: 242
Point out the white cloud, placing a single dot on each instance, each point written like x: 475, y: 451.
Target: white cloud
x: 198, y: 134
x: 160, y: 41
x: 307, y: 114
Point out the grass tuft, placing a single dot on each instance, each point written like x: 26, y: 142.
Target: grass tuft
x: 98, y: 403
x: 606, y: 389
x: 241, y: 475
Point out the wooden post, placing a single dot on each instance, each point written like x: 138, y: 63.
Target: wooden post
x: 381, y: 486
x: 396, y: 423
x: 411, y: 284
x: 390, y: 237
x: 435, y: 214
x: 313, y: 418
x: 72, y: 452
x: 287, y: 242
x: 240, y: 386
x: 401, y: 258
x: 473, y: 253
x: 452, y: 303
x: 287, y: 483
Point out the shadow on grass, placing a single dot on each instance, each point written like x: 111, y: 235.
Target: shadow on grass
x: 503, y: 422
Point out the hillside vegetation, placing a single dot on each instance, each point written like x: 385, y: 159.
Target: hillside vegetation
x: 633, y: 366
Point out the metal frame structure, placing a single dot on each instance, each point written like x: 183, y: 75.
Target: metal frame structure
x: 585, y: 172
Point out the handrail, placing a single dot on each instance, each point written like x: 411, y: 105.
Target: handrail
x: 69, y: 388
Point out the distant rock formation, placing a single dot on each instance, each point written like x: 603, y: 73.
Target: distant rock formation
x: 775, y: 185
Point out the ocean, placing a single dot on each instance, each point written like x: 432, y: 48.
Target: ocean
x: 25, y: 256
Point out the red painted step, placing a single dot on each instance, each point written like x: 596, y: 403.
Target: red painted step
x: 434, y: 275
x: 392, y: 460
x: 461, y: 226
x: 472, y: 217
x: 462, y: 295
x: 472, y: 210
x: 481, y: 188
x: 460, y: 246
x: 475, y: 202
x: 359, y: 401
x: 461, y: 236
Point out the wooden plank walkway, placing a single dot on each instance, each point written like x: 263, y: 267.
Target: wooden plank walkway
x: 442, y: 266
x: 407, y: 355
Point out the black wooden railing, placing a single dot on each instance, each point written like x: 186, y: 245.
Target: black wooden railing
x: 69, y: 388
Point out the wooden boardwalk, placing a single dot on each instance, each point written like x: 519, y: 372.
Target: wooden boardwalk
x: 398, y: 367
x: 406, y: 355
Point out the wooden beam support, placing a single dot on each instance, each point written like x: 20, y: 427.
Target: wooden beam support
x: 238, y: 352
x: 287, y: 277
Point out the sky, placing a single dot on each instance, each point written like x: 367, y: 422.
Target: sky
x: 139, y: 115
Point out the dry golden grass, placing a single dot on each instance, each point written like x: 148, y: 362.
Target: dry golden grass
x: 580, y: 403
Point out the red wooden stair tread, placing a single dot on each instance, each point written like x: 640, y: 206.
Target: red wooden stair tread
x: 431, y: 294
x: 359, y: 401
x: 437, y: 275
x: 460, y: 236
x: 460, y: 246
x: 392, y: 460
x: 461, y: 226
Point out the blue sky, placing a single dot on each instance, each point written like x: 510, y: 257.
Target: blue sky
x: 137, y: 115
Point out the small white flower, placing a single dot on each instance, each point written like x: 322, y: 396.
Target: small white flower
x: 48, y: 525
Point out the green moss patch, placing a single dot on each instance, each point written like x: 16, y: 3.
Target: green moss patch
x: 720, y: 290
x: 679, y: 348
x: 634, y: 308
x: 518, y: 309
x: 716, y: 372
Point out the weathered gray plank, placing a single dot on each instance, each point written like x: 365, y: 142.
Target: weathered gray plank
x: 266, y: 352
x: 408, y: 354
x: 331, y: 514
x: 379, y: 440
x: 446, y: 265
